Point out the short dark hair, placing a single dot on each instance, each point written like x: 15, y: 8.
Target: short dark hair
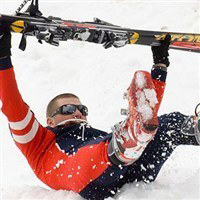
x: 52, y: 105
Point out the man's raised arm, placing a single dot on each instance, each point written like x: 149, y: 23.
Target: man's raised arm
x: 28, y: 134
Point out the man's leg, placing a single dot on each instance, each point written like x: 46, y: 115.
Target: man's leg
x: 145, y: 93
x: 169, y: 135
x: 147, y: 167
x: 131, y: 136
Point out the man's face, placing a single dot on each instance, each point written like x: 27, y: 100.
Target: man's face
x: 58, y: 118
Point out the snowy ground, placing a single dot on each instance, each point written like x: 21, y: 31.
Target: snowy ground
x: 100, y: 77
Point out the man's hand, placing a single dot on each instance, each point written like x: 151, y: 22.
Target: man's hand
x: 5, y: 40
x: 160, y: 53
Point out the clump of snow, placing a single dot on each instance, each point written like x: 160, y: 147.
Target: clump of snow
x: 140, y: 80
x: 146, y: 97
x: 146, y: 101
x: 60, y: 162
x: 143, y: 106
x: 151, y: 96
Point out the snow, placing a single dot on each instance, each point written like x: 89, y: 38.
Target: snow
x: 145, y: 107
x: 151, y: 97
x: 146, y: 98
x: 140, y: 80
x: 99, y: 77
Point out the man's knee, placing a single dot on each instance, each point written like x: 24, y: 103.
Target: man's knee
x: 172, y: 121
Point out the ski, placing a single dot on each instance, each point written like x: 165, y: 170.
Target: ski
x: 53, y: 30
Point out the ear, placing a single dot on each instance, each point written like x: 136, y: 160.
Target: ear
x: 50, y: 122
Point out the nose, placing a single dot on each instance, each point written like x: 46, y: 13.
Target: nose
x: 77, y: 114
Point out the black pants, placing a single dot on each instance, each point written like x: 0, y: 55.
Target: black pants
x: 167, y: 138
x: 147, y: 167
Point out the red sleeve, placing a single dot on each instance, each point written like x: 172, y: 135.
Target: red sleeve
x: 160, y: 88
x: 29, y: 135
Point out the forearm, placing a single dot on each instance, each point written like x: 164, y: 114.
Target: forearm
x: 161, y: 62
x: 159, y: 75
x: 26, y: 131
x: 12, y: 104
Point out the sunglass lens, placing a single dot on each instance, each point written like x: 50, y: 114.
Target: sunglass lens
x: 68, y: 109
x: 83, y: 109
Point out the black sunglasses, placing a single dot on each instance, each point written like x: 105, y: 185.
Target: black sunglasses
x: 69, y: 109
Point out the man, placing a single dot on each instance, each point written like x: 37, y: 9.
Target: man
x: 69, y: 154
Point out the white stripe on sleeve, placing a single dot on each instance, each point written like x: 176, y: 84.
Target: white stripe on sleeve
x: 23, y: 139
x: 23, y: 123
x: 1, y: 104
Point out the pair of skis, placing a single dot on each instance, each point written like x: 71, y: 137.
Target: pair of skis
x: 53, y: 30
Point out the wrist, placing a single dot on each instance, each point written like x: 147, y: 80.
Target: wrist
x: 160, y: 66
x: 159, y: 73
x: 5, y: 63
x: 5, y: 52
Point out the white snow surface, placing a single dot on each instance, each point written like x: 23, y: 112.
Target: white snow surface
x: 100, y: 77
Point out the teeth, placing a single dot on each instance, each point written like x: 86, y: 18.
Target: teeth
x: 124, y: 112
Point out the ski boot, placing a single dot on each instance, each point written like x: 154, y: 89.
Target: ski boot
x: 131, y: 136
x: 191, y: 126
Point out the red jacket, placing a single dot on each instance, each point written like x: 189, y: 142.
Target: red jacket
x: 50, y: 155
